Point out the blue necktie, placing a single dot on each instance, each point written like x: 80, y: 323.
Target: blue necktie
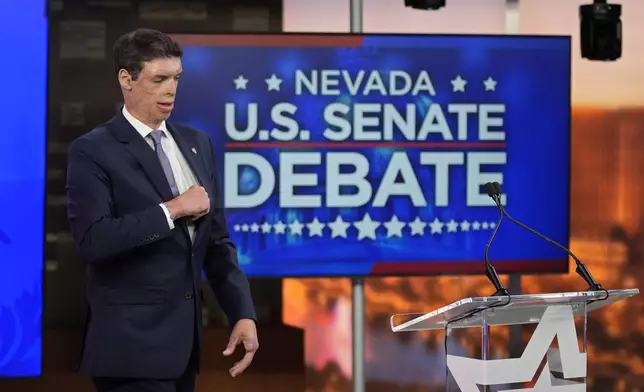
x: 165, y: 162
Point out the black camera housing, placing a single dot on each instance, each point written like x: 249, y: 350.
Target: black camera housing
x: 425, y: 4
x: 601, y: 31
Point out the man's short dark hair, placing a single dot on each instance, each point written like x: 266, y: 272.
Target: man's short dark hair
x: 133, y: 49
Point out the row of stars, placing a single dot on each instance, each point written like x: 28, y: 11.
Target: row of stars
x: 273, y: 83
x: 366, y: 227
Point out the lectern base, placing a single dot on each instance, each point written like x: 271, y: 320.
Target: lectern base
x: 566, y: 361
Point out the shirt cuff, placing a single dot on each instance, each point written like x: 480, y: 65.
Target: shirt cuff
x: 167, y: 216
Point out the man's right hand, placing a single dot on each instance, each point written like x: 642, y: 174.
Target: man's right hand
x: 194, y: 203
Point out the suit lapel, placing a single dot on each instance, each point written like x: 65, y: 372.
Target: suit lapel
x: 189, y: 150
x: 142, y: 151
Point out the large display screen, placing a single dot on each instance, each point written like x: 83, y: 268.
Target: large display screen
x: 355, y: 155
x: 22, y: 185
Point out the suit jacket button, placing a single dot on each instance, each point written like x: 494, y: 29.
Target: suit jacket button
x: 188, y: 295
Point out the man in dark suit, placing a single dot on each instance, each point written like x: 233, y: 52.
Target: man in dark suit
x: 146, y: 217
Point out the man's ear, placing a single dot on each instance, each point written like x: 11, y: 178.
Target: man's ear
x: 125, y: 79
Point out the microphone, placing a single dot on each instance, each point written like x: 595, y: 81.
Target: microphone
x: 581, y: 270
x: 490, y: 271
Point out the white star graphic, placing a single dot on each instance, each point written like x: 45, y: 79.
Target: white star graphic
x: 244, y: 227
x: 296, y: 227
x: 240, y: 83
x: 417, y: 226
x: 366, y: 227
x: 315, y: 228
x: 492, y: 225
x: 254, y: 227
x: 273, y: 83
x: 437, y: 226
x: 339, y: 227
x: 237, y: 227
x: 485, y: 225
x: 458, y: 84
x: 465, y: 226
x: 394, y: 227
x: 266, y: 227
x: 490, y: 84
x: 476, y: 226
x: 452, y: 226
x: 280, y: 228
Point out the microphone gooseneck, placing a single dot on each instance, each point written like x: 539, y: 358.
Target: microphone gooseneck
x: 490, y: 271
x: 581, y: 270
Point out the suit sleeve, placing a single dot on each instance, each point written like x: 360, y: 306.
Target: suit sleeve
x: 221, y: 265
x: 99, y: 234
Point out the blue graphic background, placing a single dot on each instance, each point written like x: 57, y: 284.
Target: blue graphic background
x: 22, y: 181
x: 533, y: 75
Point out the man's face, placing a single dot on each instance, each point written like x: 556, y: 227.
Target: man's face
x: 151, y: 95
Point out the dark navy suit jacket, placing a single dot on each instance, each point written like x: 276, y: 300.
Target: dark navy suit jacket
x: 143, y: 279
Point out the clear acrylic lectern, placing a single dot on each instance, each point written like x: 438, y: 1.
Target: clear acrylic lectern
x: 554, y: 314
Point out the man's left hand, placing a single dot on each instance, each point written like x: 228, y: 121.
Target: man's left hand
x: 244, y: 332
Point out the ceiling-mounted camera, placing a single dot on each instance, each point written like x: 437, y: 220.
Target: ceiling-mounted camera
x: 601, y: 31
x: 425, y: 4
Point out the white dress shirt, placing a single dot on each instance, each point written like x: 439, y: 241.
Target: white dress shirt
x: 183, y: 174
